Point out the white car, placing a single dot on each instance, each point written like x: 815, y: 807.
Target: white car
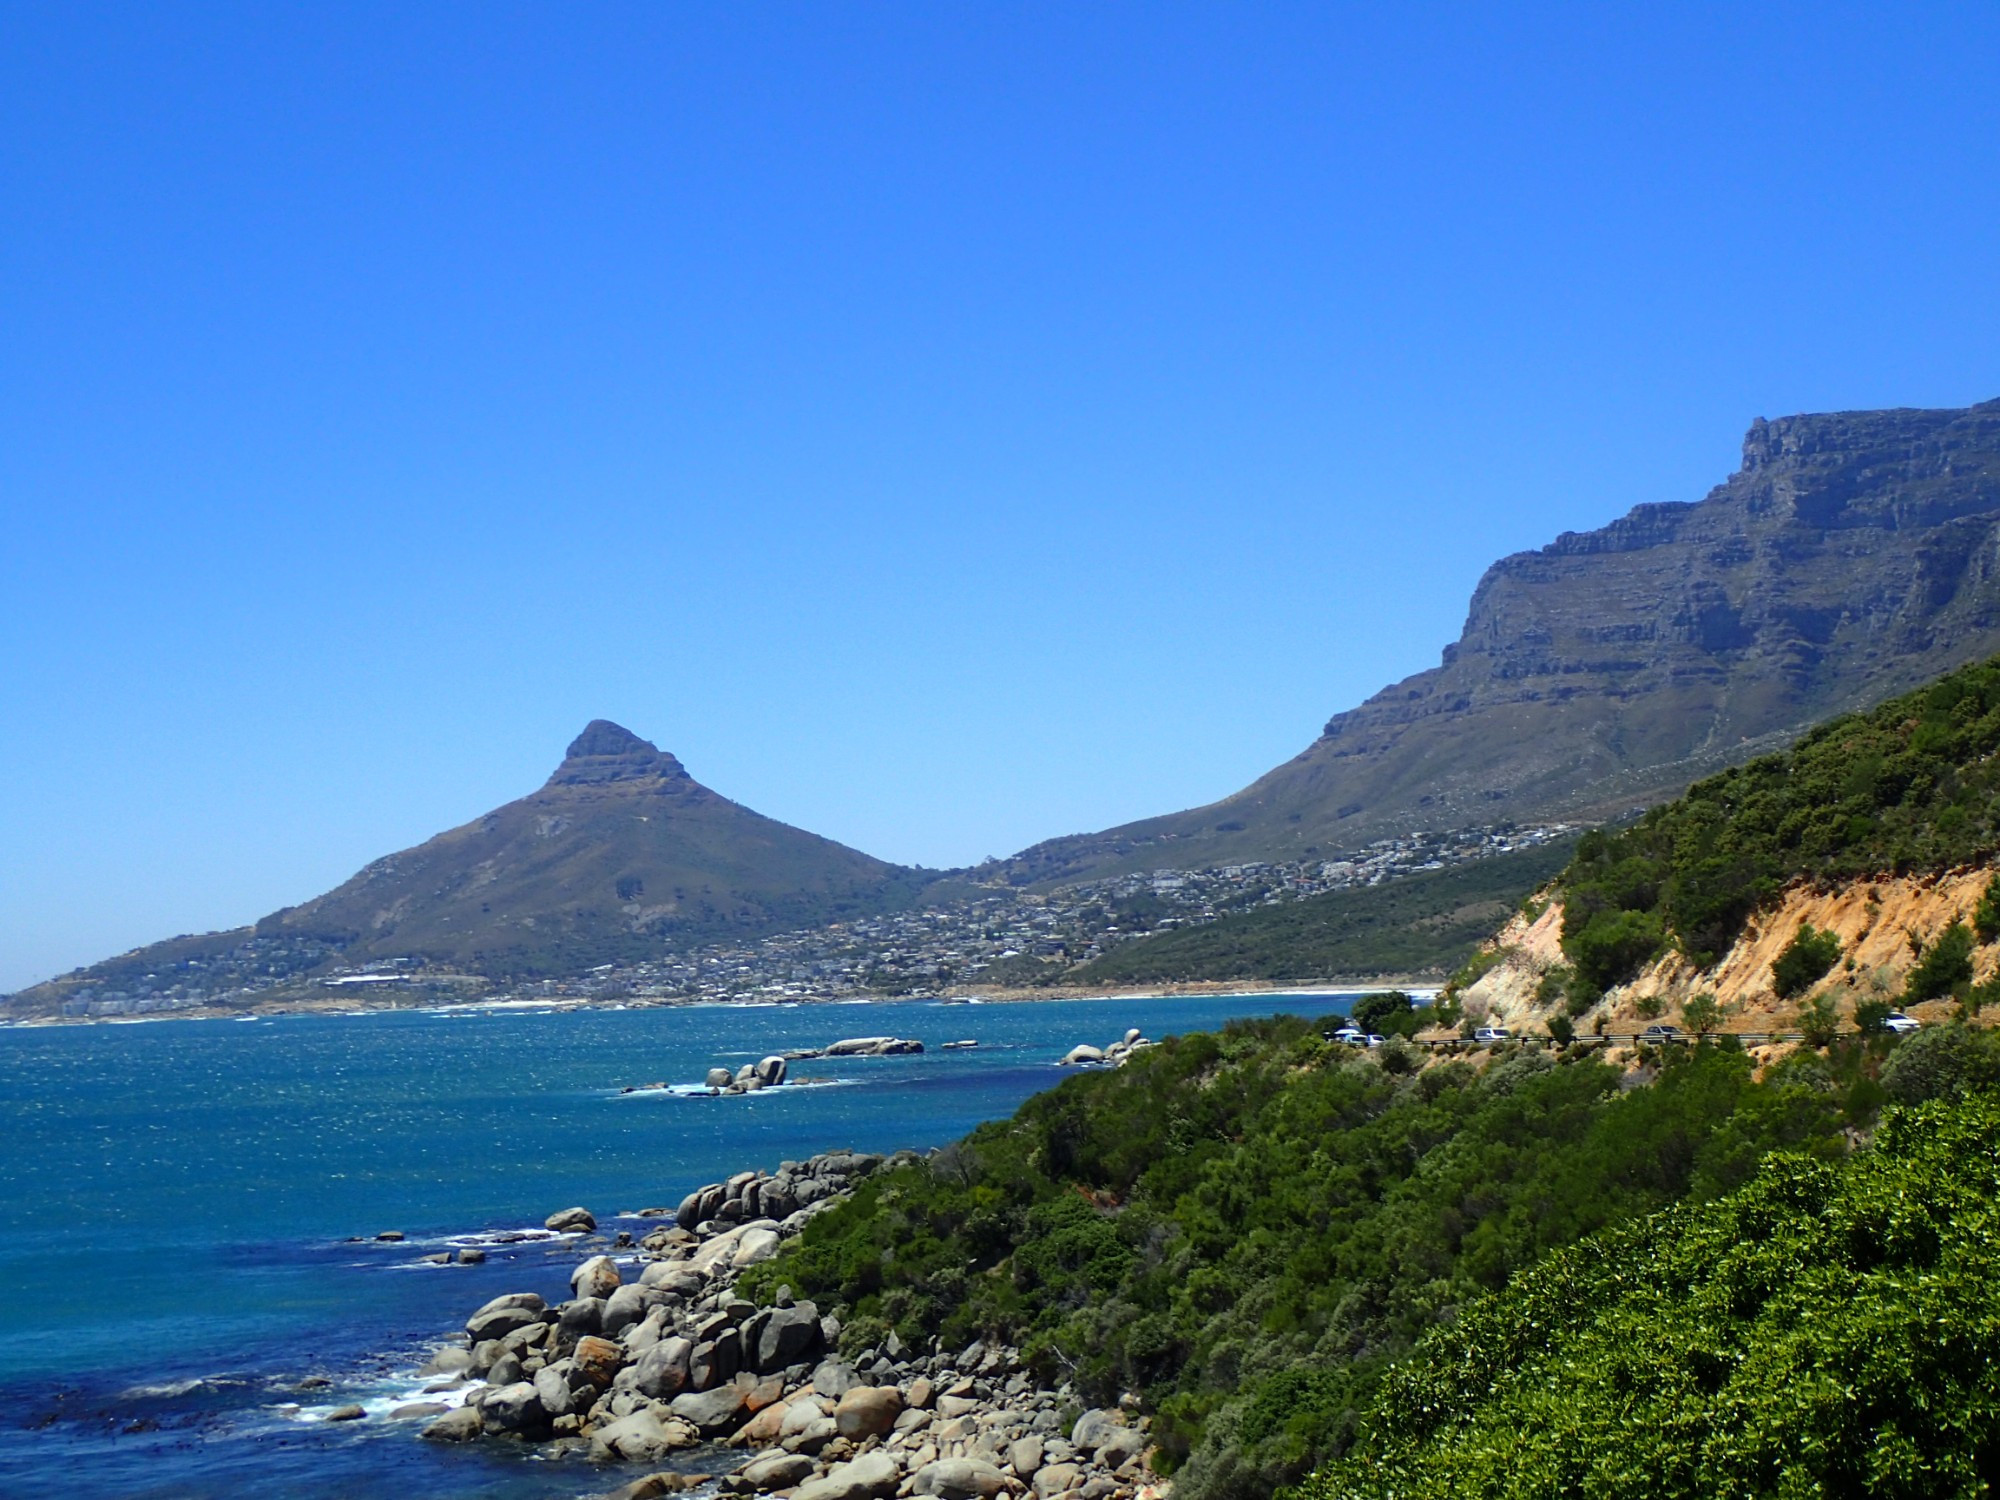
x: 1491, y: 1034
x: 1353, y: 1036
x: 1899, y: 1023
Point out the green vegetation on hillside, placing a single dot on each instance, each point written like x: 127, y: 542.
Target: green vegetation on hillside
x: 1831, y: 1329
x: 1912, y: 785
x: 1248, y: 1227
x: 1421, y: 923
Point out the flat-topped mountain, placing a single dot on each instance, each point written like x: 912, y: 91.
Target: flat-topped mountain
x: 620, y: 853
x: 1853, y: 556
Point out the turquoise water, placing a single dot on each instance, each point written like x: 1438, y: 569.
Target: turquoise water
x: 180, y: 1201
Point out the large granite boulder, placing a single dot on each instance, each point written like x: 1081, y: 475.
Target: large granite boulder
x: 571, y: 1221
x: 596, y: 1277
x: 867, y: 1411
x: 960, y: 1479
x: 872, y: 1476
x: 641, y: 1437
x: 713, y: 1411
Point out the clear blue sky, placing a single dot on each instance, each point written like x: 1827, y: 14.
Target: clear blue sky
x: 944, y: 426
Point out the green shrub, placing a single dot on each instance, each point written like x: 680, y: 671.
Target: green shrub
x: 1825, y: 1331
x: 1611, y: 945
x: 1871, y: 1017
x: 1986, y: 915
x: 1942, y: 1062
x: 1701, y: 1014
x: 1805, y: 961
x: 1946, y: 966
x: 1819, y: 1021
x: 1385, y: 1013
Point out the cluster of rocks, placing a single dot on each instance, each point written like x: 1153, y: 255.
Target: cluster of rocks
x: 766, y: 1073
x: 1110, y: 1057
x: 637, y: 1369
x: 861, y: 1046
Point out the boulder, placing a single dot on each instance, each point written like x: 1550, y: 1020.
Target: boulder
x: 776, y: 1471
x: 833, y: 1377
x: 720, y: 1078
x: 801, y: 1413
x: 571, y: 1221
x: 657, y: 1486
x: 597, y: 1360
x: 715, y: 1361
x: 960, y: 1479
x: 772, y: 1070
x: 1093, y: 1428
x: 1078, y: 1055
x: 581, y: 1315
x: 562, y: 1391
x: 764, y: 1429
x: 349, y: 1413
x: 921, y: 1392
x: 867, y: 1411
x: 503, y: 1315
x: 624, y: 1307
x: 417, y: 1409
x: 781, y: 1336
x: 662, y: 1372
x: 460, y: 1426
x: 1120, y: 1447
x: 710, y: 1412
x: 640, y: 1437
x: 872, y: 1476
x: 1057, y: 1479
x: 517, y: 1410
x: 755, y: 1243
x: 596, y: 1277
x: 1024, y: 1456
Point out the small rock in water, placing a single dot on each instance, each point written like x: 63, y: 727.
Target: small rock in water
x: 571, y: 1221
x: 346, y: 1414
x: 471, y: 1256
x: 390, y: 1236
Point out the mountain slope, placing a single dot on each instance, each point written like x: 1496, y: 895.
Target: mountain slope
x: 619, y: 853
x: 1854, y: 555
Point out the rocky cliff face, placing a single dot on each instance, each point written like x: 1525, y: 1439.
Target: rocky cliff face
x: 1880, y: 924
x: 1853, y: 555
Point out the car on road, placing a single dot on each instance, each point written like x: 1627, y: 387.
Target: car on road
x: 1658, y: 1035
x: 1899, y: 1023
x: 1492, y: 1034
x: 1352, y: 1036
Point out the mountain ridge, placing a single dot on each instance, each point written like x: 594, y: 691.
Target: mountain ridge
x: 619, y: 852
x: 1852, y: 555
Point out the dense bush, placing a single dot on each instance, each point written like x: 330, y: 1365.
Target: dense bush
x: 1911, y: 785
x: 1248, y: 1227
x: 1944, y: 966
x: 1805, y: 961
x: 1829, y: 1330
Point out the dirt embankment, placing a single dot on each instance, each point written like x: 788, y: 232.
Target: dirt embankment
x: 1881, y: 925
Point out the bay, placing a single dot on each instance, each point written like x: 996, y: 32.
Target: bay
x: 187, y: 1209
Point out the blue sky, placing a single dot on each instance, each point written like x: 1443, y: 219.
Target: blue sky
x: 943, y: 426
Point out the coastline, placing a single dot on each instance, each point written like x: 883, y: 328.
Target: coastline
x: 954, y: 995
x: 657, y: 1363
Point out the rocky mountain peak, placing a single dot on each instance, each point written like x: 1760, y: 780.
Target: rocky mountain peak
x: 610, y: 752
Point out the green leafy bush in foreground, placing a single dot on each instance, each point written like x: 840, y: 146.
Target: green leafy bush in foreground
x: 1830, y: 1330
x: 1249, y: 1227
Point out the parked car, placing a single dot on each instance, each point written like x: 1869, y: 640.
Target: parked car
x: 1659, y: 1034
x: 1376, y: 1039
x: 1897, y: 1022
x: 1491, y: 1034
x: 1353, y: 1036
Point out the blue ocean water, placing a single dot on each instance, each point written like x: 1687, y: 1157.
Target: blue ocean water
x: 187, y: 1208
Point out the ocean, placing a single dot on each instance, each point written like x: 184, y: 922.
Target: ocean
x: 188, y: 1208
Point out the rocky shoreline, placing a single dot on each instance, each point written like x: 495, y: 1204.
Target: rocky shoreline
x: 670, y: 1364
